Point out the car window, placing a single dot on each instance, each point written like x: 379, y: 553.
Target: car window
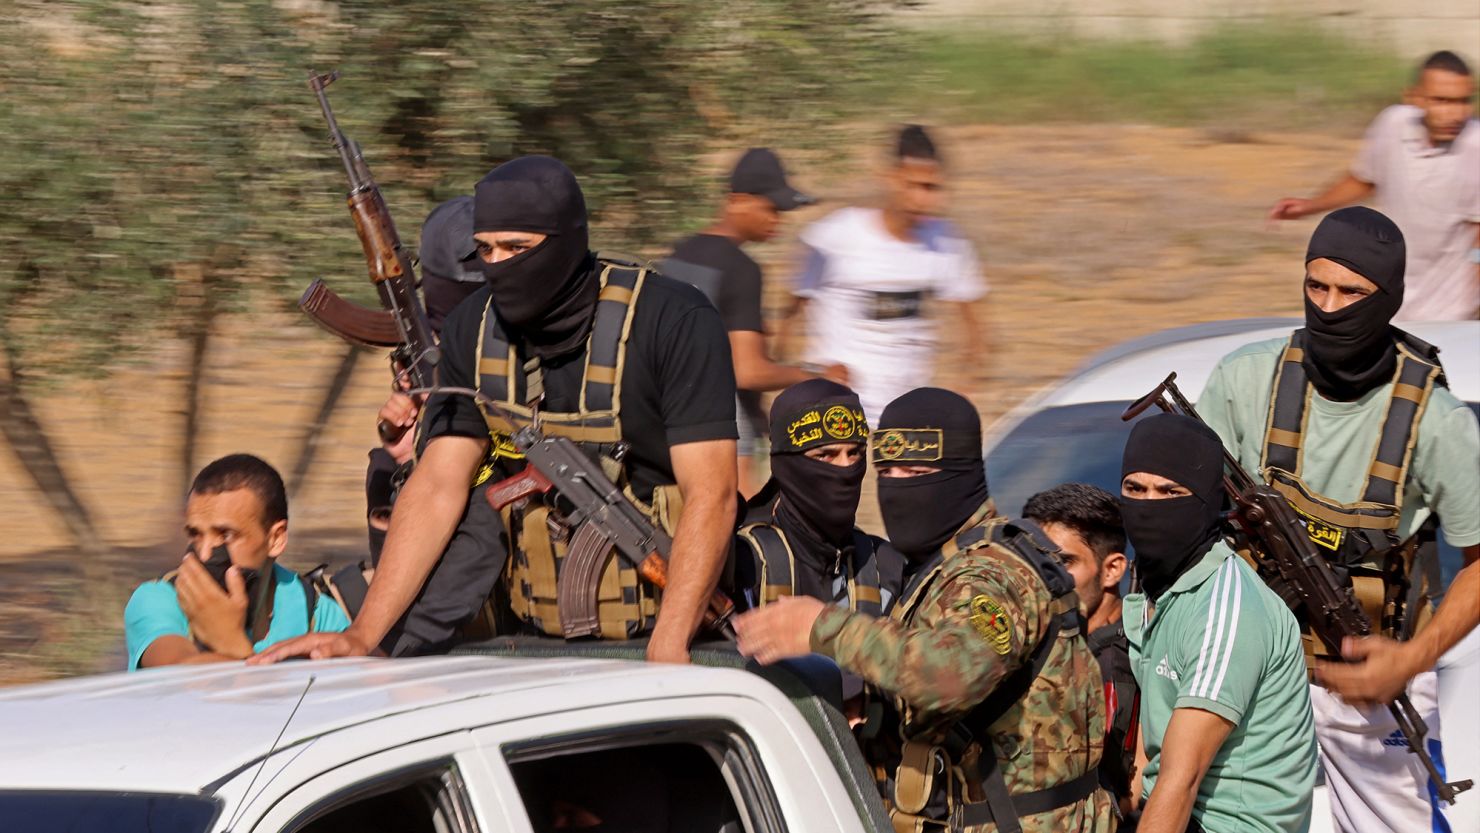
x: 55, y: 811
x: 427, y: 799
x: 694, y: 778
x: 1068, y: 444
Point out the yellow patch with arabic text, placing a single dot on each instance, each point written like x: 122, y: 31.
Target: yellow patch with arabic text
x: 991, y: 621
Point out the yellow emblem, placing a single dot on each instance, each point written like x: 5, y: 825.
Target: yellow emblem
x: 839, y: 422
x: 991, y: 621
x: 891, y: 445
x: 1321, y: 533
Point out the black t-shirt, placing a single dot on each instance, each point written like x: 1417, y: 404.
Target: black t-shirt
x: 739, y: 294
x: 677, y: 384
x: 1112, y: 650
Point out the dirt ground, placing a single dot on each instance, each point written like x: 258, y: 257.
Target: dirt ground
x: 1089, y: 235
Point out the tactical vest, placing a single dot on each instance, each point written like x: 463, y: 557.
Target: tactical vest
x: 627, y: 606
x: 1354, y: 535
x: 1122, y: 707
x: 939, y: 771
x: 778, y: 568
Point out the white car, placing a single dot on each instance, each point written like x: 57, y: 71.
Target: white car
x: 454, y: 744
x: 1072, y: 432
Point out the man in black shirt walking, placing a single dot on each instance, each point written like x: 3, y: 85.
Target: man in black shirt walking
x: 627, y: 363
x: 714, y: 261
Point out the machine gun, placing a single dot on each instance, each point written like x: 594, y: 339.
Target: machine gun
x: 402, y: 325
x: 602, y: 518
x: 1292, y: 567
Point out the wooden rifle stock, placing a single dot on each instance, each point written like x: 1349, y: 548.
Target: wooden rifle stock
x: 388, y: 263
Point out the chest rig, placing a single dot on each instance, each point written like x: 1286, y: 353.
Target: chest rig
x: 778, y: 568
x: 539, y: 541
x: 1359, y: 538
x: 950, y: 778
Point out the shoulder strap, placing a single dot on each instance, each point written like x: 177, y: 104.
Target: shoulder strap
x: 1413, y: 382
x: 1284, y: 433
x: 620, y: 284
x: 864, y: 582
x: 777, y: 573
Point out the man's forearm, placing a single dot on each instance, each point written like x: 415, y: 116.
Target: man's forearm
x: 1457, y: 615
x: 766, y: 375
x: 424, y: 518
x: 694, y: 566
x: 1168, y: 808
x: 1343, y: 192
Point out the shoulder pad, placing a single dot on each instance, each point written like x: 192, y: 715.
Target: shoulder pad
x: 1030, y: 542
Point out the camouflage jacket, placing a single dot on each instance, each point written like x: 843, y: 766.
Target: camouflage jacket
x: 968, y: 628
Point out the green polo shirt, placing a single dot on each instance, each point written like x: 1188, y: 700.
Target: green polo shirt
x: 1223, y: 642
x: 1340, y: 438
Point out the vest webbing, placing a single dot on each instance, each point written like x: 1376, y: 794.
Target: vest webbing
x: 778, y: 568
x: 502, y: 378
x: 1026, y: 540
x: 1289, y: 410
x: 626, y: 606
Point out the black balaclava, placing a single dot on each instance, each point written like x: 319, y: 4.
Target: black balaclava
x: 820, y: 496
x: 1351, y: 351
x: 450, y: 269
x: 547, y: 295
x: 929, y: 427
x: 1170, y: 533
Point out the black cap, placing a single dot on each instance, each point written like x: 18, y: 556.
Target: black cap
x: 759, y: 172
x: 447, y: 247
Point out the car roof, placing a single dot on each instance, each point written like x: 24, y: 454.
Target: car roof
x: 1126, y: 371
x: 182, y: 728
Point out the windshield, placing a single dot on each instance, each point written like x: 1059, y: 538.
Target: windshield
x: 1082, y: 444
x: 49, y: 811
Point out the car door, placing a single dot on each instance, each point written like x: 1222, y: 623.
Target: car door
x: 714, y: 764
x: 437, y: 785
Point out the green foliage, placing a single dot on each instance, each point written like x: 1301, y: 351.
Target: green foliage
x: 165, y: 160
x: 1267, y: 76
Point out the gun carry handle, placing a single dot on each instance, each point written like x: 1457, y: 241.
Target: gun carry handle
x: 522, y: 485
x: 716, y: 615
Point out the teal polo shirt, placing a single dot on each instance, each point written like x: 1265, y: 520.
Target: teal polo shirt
x: 154, y: 611
x: 1223, y: 642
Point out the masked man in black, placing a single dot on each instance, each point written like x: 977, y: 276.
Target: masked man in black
x: 1350, y: 419
x: 1001, y: 717
x: 798, y: 538
x: 632, y: 366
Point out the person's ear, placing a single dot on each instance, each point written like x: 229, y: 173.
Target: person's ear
x: 1112, y: 570
x: 277, y: 539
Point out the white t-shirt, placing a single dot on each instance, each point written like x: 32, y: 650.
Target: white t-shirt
x: 867, y: 293
x: 1433, y: 194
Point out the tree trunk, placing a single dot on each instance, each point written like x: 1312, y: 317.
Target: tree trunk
x: 308, y: 447
x: 200, y: 343
x: 28, y: 439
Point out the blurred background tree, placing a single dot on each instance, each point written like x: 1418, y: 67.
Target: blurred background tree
x: 165, y: 163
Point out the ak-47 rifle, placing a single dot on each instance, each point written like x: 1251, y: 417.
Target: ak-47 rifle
x: 602, y: 518
x: 1292, y: 567
x: 403, y: 323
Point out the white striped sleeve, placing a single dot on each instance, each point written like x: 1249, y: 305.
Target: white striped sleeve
x: 1227, y: 657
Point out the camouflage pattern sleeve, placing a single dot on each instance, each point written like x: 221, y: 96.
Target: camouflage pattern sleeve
x: 977, y: 624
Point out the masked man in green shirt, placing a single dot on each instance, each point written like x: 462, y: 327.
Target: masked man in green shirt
x: 1225, y: 716
x: 1350, y: 419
